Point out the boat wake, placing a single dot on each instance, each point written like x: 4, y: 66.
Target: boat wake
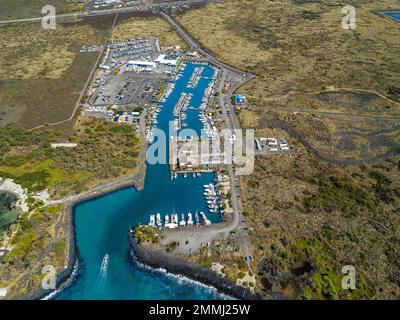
x: 101, y: 279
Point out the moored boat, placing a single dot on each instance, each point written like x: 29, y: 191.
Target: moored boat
x: 190, y: 219
x: 182, y: 222
x: 158, y: 220
x: 152, y: 222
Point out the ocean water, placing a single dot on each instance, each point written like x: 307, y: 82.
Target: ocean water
x: 105, y: 270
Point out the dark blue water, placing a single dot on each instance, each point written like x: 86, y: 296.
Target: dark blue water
x: 102, y: 224
x: 393, y: 15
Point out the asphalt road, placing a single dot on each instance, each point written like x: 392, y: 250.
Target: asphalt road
x: 231, y: 121
x: 148, y: 7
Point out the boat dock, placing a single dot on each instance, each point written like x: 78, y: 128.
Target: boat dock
x: 172, y: 222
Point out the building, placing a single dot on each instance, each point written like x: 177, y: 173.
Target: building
x: 64, y: 145
x: 238, y: 99
x: 162, y: 59
x: 146, y: 65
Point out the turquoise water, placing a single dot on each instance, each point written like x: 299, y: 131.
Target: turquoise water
x: 102, y: 224
x: 393, y: 15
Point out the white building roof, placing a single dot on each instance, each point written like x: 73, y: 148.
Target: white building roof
x: 142, y: 63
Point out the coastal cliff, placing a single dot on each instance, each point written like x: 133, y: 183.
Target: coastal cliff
x: 159, y: 259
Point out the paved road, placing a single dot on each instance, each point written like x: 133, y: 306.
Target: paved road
x: 231, y: 121
x: 147, y: 7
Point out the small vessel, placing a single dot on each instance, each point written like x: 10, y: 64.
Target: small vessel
x: 158, y: 220
x: 209, y: 193
x: 204, y: 217
x: 174, y: 220
x: 182, y: 222
x: 198, y: 174
x: 184, y: 175
x: 193, y: 175
x: 152, y: 222
x: 166, y: 223
x: 196, y: 218
x: 190, y: 219
x: 214, y: 210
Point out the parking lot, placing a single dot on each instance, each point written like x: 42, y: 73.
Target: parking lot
x: 271, y: 145
x: 125, y: 50
x: 127, y: 88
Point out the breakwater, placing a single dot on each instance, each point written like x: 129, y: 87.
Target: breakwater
x: 162, y: 260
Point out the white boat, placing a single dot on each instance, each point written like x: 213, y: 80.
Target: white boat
x: 190, y: 219
x: 207, y: 194
x: 174, y: 221
x: 152, y: 222
x: 182, y: 222
x: 158, y: 220
x: 208, y: 189
x: 184, y: 175
x: 204, y: 217
x: 166, y: 223
x: 196, y: 218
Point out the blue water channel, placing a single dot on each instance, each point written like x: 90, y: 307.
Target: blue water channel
x: 393, y: 15
x: 102, y: 224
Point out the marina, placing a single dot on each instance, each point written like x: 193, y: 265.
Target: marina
x: 101, y: 224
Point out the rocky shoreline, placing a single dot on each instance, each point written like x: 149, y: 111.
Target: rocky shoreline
x: 8, y: 185
x: 158, y: 259
x: 64, y: 276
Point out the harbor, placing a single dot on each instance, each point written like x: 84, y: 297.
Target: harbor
x: 215, y: 204
x: 101, y: 224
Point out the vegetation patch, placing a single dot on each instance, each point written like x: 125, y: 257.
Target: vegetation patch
x: 146, y: 234
x: 337, y: 193
x: 148, y: 27
x: 43, y: 71
x: 104, y: 151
